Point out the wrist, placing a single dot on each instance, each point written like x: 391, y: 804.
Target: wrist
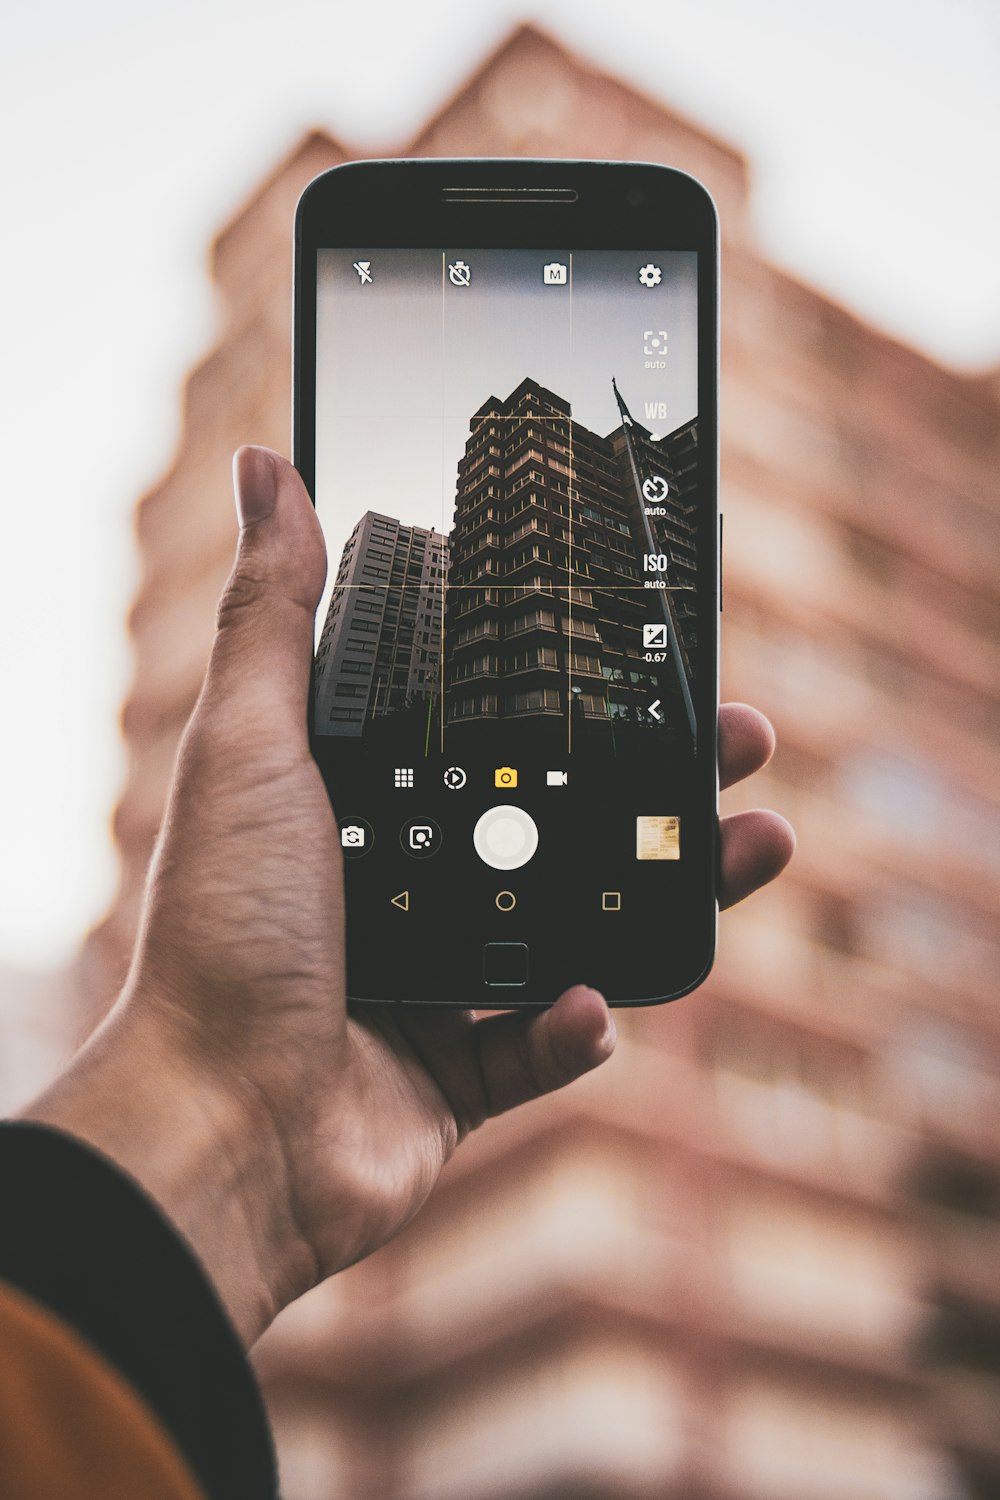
x: 215, y: 1171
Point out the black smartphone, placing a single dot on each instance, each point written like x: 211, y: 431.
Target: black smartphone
x: 505, y: 393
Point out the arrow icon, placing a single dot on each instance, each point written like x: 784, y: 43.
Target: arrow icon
x: 402, y: 900
x: 654, y: 709
x: 364, y: 270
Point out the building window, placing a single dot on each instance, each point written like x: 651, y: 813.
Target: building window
x: 483, y: 630
x: 476, y: 666
x: 534, y: 619
x: 779, y: 1441
x: 540, y: 656
x: 540, y: 700
x: 588, y: 664
x: 530, y: 454
x: 480, y: 707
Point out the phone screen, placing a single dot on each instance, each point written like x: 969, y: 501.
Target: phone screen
x: 509, y: 697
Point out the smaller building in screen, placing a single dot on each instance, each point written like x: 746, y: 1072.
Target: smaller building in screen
x: 380, y: 648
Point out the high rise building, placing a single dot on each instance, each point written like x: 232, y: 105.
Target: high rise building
x: 547, y: 597
x: 380, y: 648
x: 754, y: 1257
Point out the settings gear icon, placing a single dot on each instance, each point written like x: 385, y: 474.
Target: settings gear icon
x: 650, y: 275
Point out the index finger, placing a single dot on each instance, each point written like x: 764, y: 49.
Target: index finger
x: 746, y: 742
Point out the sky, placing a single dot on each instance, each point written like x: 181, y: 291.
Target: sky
x: 132, y: 132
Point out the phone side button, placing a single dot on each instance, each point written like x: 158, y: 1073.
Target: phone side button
x: 505, y: 964
x: 721, y: 519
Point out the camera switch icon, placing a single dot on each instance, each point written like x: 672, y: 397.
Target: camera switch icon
x: 356, y: 837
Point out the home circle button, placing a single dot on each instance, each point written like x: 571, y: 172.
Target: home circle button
x: 505, y: 837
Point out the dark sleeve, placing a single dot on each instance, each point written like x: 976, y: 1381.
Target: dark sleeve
x: 83, y: 1239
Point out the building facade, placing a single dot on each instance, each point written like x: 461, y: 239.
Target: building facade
x: 547, y: 595
x: 753, y: 1258
x: 379, y: 651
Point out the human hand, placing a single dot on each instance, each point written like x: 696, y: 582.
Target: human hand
x: 287, y: 1136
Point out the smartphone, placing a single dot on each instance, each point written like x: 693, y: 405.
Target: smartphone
x: 505, y: 393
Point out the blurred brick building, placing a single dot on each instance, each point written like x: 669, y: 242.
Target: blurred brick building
x: 759, y: 1255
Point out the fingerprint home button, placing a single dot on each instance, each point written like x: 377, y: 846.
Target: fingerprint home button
x: 505, y: 964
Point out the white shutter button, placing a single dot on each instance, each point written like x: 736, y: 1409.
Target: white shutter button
x: 505, y: 837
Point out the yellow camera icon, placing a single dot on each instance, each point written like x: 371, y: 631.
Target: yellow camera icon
x: 505, y: 776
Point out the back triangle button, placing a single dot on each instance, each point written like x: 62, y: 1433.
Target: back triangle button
x: 402, y: 900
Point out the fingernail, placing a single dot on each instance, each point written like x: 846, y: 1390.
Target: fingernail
x: 255, y: 484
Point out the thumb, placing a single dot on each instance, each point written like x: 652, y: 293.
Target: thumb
x: 263, y: 646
